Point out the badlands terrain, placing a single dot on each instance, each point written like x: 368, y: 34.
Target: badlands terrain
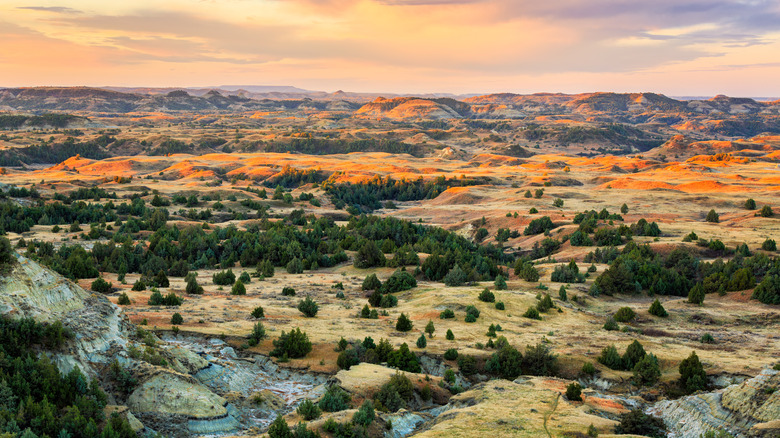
x: 471, y: 262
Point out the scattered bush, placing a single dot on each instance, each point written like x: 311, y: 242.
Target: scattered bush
x: 766, y: 211
x: 657, y: 309
x: 450, y: 336
x: 692, y: 375
x: 258, y: 312
x: 294, y: 344
x: 451, y: 354
x: 238, y: 288
x: 288, y: 292
x: 123, y: 299
x: 403, y: 324
x: 769, y: 245
x: 487, y: 296
x: 371, y: 283
x: 258, y: 334
x: 636, y: 422
x: 574, y: 392
x: 404, y: 359
x: 177, y: 319
x: 625, y: 314
x: 532, y: 313
x: 447, y: 314
x: 308, y: 410
x: 335, y: 399
x: 500, y: 305
x: 611, y: 324
x: 102, y: 286
x: 224, y: 278
x: 713, y: 217
x: 308, y: 307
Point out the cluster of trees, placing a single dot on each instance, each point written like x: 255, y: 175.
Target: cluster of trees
x: 321, y: 146
x: 52, y: 153
x: 367, y: 196
x: 369, y: 351
x: 36, y: 399
x: 680, y: 273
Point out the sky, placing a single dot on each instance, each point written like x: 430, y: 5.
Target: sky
x: 675, y: 47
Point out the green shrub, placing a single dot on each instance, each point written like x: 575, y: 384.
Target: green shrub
x: 258, y: 312
x: 450, y: 336
x: 294, y: 344
x: 707, y: 339
x: 713, y: 217
x: 545, y: 303
x: 532, y: 313
x: 562, y: 295
x: 588, y: 369
x: 403, y: 324
x: 467, y: 364
x: 769, y: 245
x: 657, y: 309
x: 102, y: 286
x: 422, y: 342
x: 139, y: 285
x: 238, y: 288
x: 625, y: 314
x: 574, y: 392
x: 258, y: 334
x: 365, y: 415
x: 308, y: 307
x: 692, y: 375
x: 404, y: 359
x: 766, y: 211
x: 473, y: 311
x: 347, y: 359
x: 506, y: 362
x: 288, y: 292
x: 636, y: 422
x: 647, y: 372
x: 696, y: 294
x: 123, y: 299
x: 430, y: 328
x: 371, y: 283
x: 447, y: 314
x: 394, y: 394
x: 157, y: 299
x: 224, y: 278
x: 177, y: 319
x: 308, y: 410
x: 335, y: 399
x: 456, y: 277
x: 500, y: 305
x: 487, y: 296
x: 451, y: 354
x: 500, y: 282
x: 611, y: 358
x: 279, y: 429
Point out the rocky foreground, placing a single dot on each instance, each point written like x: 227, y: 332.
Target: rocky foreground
x: 202, y: 387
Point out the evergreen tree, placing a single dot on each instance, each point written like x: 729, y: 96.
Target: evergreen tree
x: 657, y: 309
x: 692, y: 375
x: 403, y: 324
x: 429, y: 329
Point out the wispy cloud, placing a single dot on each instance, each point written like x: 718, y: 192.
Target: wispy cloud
x: 55, y: 9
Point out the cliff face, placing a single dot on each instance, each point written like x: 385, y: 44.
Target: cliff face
x: 748, y: 409
x: 100, y: 329
x: 204, y: 389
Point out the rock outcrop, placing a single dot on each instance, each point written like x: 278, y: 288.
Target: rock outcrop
x: 748, y: 409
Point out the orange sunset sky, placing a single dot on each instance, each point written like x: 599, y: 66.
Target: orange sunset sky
x: 676, y: 47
